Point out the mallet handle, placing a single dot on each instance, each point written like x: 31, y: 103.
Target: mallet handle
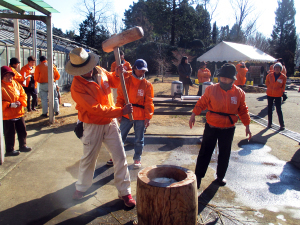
x: 118, y: 62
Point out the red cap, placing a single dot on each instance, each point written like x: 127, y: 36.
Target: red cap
x: 5, y: 70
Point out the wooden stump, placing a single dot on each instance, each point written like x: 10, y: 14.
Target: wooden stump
x: 165, y: 203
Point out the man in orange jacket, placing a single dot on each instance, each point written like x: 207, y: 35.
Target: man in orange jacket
x: 13, y: 101
x: 29, y: 85
x: 203, y: 76
x: 275, y: 82
x: 13, y: 64
x: 91, y: 91
x: 41, y: 76
x: 280, y: 60
x: 126, y: 72
x: 140, y: 94
x: 224, y: 102
x: 241, y: 74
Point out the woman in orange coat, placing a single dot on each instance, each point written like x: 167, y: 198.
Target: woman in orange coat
x: 241, y: 74
x: 140, y: 94
x: 203, y: 76
x: 275, y: 83
x: 13, y: 101
x: 225, y: 103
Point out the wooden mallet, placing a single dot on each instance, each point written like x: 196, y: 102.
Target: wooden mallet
x: 113, y: 44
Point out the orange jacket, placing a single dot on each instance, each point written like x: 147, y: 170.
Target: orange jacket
x: 41, y: 73
x: 203, y: 75
x: 241, y: 75
x: 271, y: 70
x: 275, y: 88
x: 126, y: 67
x: 18, y: 77
x: 25, y: 71
x: 12, y: 92
x: 94, y: 103
x: 140, y: 92
x: 218, y: 100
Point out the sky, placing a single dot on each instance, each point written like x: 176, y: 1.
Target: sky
x: 68, y: 18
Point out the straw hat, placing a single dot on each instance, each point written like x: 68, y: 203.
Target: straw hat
x: 81, y: 62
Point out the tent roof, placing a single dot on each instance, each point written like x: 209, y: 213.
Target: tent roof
x: 229, y: 51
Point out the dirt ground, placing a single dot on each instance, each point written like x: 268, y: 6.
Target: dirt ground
x: 68, y: 115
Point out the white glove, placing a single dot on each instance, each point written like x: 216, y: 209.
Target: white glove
x: 13, y: 105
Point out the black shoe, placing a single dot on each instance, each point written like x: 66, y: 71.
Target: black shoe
x: 13, y: 153
x: 44, y: 115
x: 221, y: 182
x: 57, y: 113
x: 269, y: 126
x: 281, y: 128
x: 25, y: 149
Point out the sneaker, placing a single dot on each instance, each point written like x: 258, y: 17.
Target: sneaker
x: 78, y: 195
x: 128, y: 200
x: 110, y: 163
x: 57, y: 113
x: 25, y: 149
x: 44, y: 115
x: 34, y: 109
x: 281, y: 128
x: 221, y: 182
x: 137, y: 164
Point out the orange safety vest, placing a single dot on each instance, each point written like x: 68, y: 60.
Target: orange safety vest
x: 94, y: 102
x: 203, y: 75
x: 232, y: 102
x: 140, y: 94
x: 12, y: 92
x: 275, y: 88
x: 25, y: 71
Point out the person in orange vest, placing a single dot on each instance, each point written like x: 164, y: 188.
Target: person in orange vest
x: 29, y: 85
x: 225, y: 103
x: 275, y: 82
x: 280, y: 60
x: 91, y: 91
x: 13, y: 64
x: 126, y: 65
x: 13, y: 101
x: 241, y: 74
x: 140, y: 94
x: 41, y: 76
x: 203, y: 76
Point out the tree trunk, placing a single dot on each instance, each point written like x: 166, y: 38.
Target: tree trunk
x: 165, y: 203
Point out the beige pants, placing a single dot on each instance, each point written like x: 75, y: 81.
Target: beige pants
x: 93, y: 137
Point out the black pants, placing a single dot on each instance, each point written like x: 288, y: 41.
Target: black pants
x: 31, y: 92
x: 200, y: 90
x: 278, y: 110
x: 210, y: 138
x: 10, y: 127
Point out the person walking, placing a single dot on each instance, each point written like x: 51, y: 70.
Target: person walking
x: 140, y: 94
x: 29, y: 85
x: 225, y: 103
x: 13, y: 101
x: 91, y: 91
x: 41, y: 76
x: 185, y: 71
x: 241, y: 74
x: 275, y: 82
x: 203, y: 76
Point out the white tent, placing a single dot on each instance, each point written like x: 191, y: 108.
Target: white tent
x: 229, y: 51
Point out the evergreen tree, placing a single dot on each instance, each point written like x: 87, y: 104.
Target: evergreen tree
x: 283, y: 39
x: 215, y: 33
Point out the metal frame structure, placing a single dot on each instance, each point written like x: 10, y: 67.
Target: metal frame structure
x: 20, y: 7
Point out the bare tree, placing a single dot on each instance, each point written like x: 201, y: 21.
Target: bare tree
x: 259, y: 41
x: 100, y: 9
x: 242, y: 10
